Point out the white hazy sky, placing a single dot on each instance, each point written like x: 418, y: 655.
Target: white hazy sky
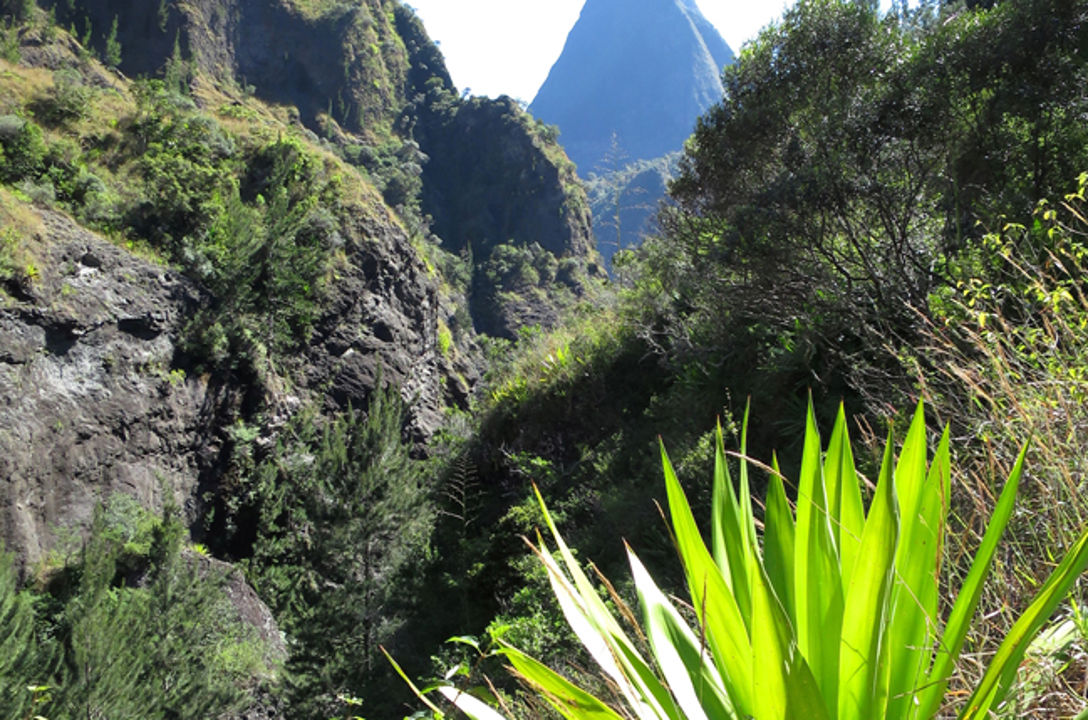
x: 506, y: 47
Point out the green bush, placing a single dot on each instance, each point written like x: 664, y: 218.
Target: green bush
x: 9, y: 261
x: 25, y: 661
x: 112, y: 54
x: 67, y: 100
x: 24, y: 149
x: 9, y: 41
x: 514, y: 268
x: 1006, y: 356
x: 445, y: 340
x: 253, y: 224
x: 344, y: 522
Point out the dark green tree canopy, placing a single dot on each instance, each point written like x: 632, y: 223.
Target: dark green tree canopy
x: 850, y: 161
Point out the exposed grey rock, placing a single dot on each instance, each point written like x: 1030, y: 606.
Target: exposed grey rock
x: 91, y: 402
x: 60, y: 51
x: 94, y: 398
x: 381, y: 318
x: 269, y: 46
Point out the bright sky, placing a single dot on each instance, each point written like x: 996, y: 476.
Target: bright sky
x: 507, y: 47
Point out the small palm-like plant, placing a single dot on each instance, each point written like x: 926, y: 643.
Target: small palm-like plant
x: 834, y: 615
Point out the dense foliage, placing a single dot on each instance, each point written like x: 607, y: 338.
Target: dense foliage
x: 830, y: 220
x: 344, y: 518
x: 131, y: 624
x: 832, y: 615
x: 252, y: 219
x: 845, y: 169
x: 329, y: 510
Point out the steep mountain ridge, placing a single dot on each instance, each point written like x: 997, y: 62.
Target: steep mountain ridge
x: 633, y: 73
x: 625, y: 93
x: 348, y: 61
x: 367, y: 77
x: 249, y: 284
x: 482, y: 195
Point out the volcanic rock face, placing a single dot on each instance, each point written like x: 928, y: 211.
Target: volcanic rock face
x: 632, y: 78
x: 91, y: 402
x: 271, y: 46
x: 380, y: 319
x: 95, y: 398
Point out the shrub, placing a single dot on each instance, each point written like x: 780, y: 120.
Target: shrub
x: 24, y: 149
x: 24, y: 661
x: 135, y: 628
x: 9, y: 41
x: 445, y: 339
x: 344, y: 521
x: 67, y: 100
x: 834, y: 616
x: 112, y: 55
x: 41, y: 192
x: 17, y: 268
x: 9, y: 254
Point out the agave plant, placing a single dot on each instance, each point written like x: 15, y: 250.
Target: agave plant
x: 833, y: 616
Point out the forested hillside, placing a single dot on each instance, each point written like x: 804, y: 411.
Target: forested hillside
x: 289, y: 329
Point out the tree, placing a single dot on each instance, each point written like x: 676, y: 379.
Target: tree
x: 847, y: 165
x: 345, y: 520
x: 144, y: 631
x: 806, y: 167
x: 23, y: 661
x: 113, y: 46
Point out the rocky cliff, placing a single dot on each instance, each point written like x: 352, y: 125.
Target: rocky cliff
x: 207, y: 274
x: 98, y: 394
x: 346, y: 60
x: 102, y: 389
x: 92, y: 400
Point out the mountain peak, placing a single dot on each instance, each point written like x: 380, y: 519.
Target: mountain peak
x: 632, y: 78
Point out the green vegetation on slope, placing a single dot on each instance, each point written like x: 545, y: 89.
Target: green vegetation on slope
x: 826, y: 211
x: 832, y: 615
x: 251, y: 218
x: 859, y: 179
x: 279, y: 217
x: 826, y: 226
x: 344, y: 518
